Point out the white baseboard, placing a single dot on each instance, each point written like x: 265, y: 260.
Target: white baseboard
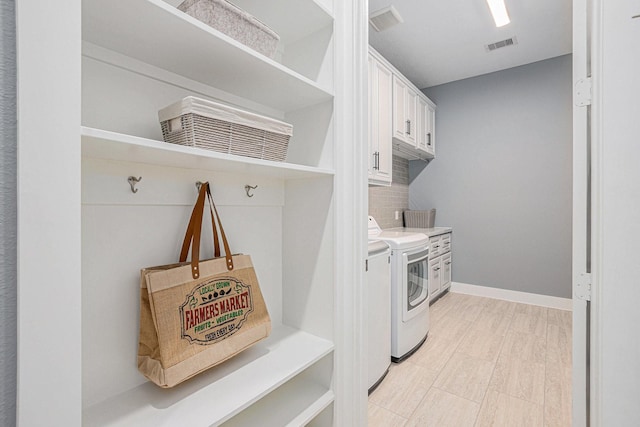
x: 514, y: 296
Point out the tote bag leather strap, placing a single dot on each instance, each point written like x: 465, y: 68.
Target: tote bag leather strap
x: 194, y: 230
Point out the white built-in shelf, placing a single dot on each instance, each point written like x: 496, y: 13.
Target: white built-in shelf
x: 157, y: 33
x: 303, y: 401
x: 309, y: 15
x: 102, y: 144
x: 220, y: 393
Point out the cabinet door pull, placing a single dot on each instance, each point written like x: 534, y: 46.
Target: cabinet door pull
x: 436, y: 268
x: 376, y: 160
x: 429, y: 139
x: 447, y: 263
x: 408, y: 127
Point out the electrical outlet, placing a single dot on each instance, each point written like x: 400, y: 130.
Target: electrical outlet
x: 397, y: 214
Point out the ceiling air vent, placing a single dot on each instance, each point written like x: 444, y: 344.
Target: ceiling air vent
x: 502, y: 43
x: 385, y: 18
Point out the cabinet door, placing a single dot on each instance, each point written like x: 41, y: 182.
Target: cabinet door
x: 380, y: 123
x: 434, y: 277
x: 423, y: 125
x: 385, y: 122
x: 411, y: 116
x: 399, y: 107
x: 431, y: 130
x: 372, y: 116
x: 445, y: 270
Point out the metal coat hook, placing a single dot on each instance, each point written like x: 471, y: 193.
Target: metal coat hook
x: 248, y: 188
x: 132, y: 182
x: 198, y: 185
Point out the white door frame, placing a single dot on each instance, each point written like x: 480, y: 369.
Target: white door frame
x: 581, y: 200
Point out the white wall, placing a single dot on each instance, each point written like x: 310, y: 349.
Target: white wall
x: 7, y: 214
x: 616, y: 213
x: 502, y: 176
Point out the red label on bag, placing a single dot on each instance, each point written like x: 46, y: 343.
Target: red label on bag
x: 215, y: 310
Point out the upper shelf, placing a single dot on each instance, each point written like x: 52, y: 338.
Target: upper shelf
x: 309, y: 16
x: 157, y: 33
x: 102, y: 144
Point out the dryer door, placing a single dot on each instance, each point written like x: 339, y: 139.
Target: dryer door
x: 416, y: 285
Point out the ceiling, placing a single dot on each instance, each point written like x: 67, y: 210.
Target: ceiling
x: 444, y: 40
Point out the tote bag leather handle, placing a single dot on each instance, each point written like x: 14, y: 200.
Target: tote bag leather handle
x: 194, y: 230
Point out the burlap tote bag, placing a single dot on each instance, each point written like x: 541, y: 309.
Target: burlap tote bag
x: 195, y: 315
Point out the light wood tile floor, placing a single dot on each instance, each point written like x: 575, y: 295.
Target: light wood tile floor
x: 486, y: 363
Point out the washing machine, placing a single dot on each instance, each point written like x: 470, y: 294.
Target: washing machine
x: 378, y: 296
x: 409, y: 288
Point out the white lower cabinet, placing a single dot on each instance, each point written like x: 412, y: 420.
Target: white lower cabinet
x: 439, y: 264
x: 434, y: 277
x: 445, y: 266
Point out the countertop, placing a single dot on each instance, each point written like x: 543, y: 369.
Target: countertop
x: 430, y: 232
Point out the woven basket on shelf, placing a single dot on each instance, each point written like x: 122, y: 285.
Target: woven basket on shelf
x: 196, y: 122
x: 234, y: 22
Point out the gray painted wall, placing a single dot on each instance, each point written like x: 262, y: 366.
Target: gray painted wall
x: 8, y: 215
x: 502, y: 176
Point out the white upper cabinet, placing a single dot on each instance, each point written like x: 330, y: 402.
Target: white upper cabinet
x: 426, y: 121
x: 413, y: 117
x: 380, y: 123
x: 405, y: 123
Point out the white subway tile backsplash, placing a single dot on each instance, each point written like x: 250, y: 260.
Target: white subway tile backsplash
x: 385, y: 201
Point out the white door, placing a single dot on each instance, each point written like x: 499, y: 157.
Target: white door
x: 615, y: 227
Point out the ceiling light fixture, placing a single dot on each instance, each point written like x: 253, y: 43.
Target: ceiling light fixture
x: 499, y: 12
